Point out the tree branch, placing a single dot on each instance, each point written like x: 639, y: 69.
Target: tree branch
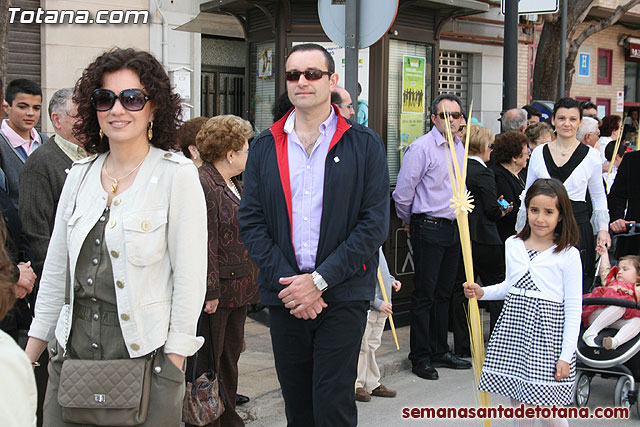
x: 603, y: 24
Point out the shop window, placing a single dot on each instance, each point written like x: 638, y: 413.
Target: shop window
x: 409, y: 98
x: 263, y: 84
x: 604, y: 66
x: 631, y: 87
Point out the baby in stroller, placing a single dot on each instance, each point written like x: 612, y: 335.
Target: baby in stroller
x: 622, y: 282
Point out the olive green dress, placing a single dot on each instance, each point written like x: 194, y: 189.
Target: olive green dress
x: 96, y: 335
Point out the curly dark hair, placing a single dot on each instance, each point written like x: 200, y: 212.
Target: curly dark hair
x: 610, y: 124
x: 221, y: 134
x: 509, y: 145
x: 187, y: 134
x: 156, y: 84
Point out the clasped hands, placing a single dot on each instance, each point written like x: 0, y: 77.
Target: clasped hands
x: 26, y: 280
x: 301, y: 296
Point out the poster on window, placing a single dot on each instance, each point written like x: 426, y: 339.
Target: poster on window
x: 411, y: 128
x: 337, y: 53
x: 413, y: 93
x: 265, y: 63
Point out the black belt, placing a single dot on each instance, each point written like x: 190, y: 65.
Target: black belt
x: 433, y: 219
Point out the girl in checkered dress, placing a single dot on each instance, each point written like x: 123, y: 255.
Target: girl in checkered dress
x: 531, y: 354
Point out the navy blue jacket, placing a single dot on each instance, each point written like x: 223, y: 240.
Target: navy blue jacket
x: 355, y: 212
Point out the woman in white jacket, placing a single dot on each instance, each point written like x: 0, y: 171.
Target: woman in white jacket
x: 131, y: 230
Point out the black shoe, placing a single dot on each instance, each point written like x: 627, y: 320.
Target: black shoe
x: 425, y: 370
x: 464, y: 353
x: 241, y: 399
x: 450, y: 360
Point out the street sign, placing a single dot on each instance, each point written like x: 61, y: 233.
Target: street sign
x: 534, y: 6
x: 375, y: 17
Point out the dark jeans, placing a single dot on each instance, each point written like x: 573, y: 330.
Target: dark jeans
x: 436, y: 251
x: 316, y: 361
x: 488, y: 265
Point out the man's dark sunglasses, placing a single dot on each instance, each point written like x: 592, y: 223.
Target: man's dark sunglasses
x: 294, y: 76
x: 131, y: 99
x: 454, y: 115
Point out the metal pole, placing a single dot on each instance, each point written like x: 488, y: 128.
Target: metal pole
x: 510, y: 57
x: 563, y: 48
x: 351, y: 50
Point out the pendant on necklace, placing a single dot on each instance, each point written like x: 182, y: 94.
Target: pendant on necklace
x: 114, y: 186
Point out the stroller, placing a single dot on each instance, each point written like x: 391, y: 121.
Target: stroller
x: 623, y: 363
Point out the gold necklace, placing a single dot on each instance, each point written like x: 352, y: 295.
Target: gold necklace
x: 564, y: 153
x: 114, y: 186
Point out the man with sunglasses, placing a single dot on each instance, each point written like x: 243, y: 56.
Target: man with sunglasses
x: 314, y: 211
x: 422, y: 198
x: 342, y: 99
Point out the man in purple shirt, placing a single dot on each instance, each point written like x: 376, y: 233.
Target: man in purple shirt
x: 422, y: 198
x: 314, y: 211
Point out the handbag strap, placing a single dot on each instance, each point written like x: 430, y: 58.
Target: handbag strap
x: 212, y: 357
x: 67, y: 287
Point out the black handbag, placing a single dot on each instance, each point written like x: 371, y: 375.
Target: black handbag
x: 204, y: 399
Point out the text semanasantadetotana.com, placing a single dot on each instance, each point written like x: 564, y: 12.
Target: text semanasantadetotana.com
x: 41, y: 16
x: 521, y: 412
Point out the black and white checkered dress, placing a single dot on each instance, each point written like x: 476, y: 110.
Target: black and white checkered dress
x: 524, y: 348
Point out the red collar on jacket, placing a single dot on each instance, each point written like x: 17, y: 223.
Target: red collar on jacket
x: 282, y: 152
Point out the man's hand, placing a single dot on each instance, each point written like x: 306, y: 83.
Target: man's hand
x: 300, y: 295
x: 620, y: 225
x: 211, y: 306
x: 396, y: 285
x: 27, y: 276
x: 19, y: 291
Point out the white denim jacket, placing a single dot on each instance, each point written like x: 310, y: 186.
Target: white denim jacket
x: 157, y: 241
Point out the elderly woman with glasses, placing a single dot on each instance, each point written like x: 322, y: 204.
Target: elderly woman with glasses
x: 129, y: 242
x: 231, y: 274
x: 488, y: 259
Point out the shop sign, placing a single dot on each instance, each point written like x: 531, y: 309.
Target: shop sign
x: 634, y: 50
x: 534, y: 6
x: 584, y: 60
x: 620, y: 101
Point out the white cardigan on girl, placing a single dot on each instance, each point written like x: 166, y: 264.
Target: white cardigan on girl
x: 558, y: 276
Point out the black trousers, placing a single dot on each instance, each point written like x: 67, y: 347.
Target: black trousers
x: 316, y: 361
x: 488, y: 265
x: 436, y: 251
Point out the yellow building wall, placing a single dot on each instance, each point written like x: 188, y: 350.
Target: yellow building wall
x: 68, y: 48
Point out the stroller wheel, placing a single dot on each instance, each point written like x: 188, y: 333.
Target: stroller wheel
x: 583, y: 389
x: 621, y: 394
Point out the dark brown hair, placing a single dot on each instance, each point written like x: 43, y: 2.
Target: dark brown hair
x: 509, y: 145
x: 635, y: 260
x: 187, y: 134
x: 7, y: 298
x: 610, y: 124
x: 221, y: 134
x: 566, y: 233
x: 156, y: 84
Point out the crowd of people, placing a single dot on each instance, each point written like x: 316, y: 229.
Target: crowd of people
x: 128, y: 236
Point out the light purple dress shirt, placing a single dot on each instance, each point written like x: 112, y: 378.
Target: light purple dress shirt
x: 306, y: 174
x: 423, y: 185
